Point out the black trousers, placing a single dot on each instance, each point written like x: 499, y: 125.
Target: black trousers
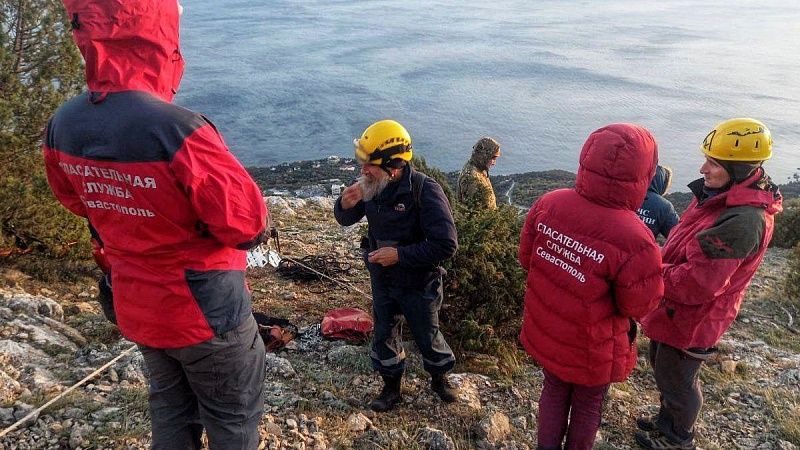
x: 419, y: 305
x: 676, y: 375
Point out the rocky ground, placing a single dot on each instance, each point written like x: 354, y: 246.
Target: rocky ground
x: 317, y: 391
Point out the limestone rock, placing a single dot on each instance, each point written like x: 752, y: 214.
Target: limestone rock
x: 494, y: 428
x: 468, y: 392
x: 727, y: 366
x: 358, y: 422
x: 279, y: 205
x: 9, y: 387
x: 34, y: 305
x: 279, y: 366
x: 434, y: 439
x: 6, y: 416
x: 325, y: 203
x: 78, y: 435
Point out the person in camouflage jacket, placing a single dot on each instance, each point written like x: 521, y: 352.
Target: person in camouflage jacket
x: 474, y: 187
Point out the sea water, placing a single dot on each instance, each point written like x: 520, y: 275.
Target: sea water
x: 293, y: 80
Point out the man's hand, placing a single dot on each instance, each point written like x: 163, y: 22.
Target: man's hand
x: 351, y: 196
x: 385, y: 256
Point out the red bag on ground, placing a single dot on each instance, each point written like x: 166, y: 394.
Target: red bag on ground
x: 350, y: 324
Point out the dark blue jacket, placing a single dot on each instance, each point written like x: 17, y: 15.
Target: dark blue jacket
x: 657, y: 212
x: 423, y: 238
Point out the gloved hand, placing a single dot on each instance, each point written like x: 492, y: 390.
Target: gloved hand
x: 106, y: 298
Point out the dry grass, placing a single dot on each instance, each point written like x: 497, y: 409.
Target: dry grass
x: 784, y: 407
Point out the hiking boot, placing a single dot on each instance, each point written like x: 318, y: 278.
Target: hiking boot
x: 443, y: 388
x: 647, y: 424
x: 390, y: 394
x: 660, y: 442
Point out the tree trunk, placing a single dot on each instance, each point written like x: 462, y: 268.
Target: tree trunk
x: 18, y: 32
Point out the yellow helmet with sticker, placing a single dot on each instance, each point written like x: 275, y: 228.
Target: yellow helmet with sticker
x: 740, y: 139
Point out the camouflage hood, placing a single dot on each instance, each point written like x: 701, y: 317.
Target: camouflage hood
x: 483, y: 151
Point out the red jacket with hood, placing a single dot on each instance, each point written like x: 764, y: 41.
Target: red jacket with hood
x: 592, y: 264
x: 172, y: 207
x: 709, y: 260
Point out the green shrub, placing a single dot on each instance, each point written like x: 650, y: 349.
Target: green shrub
x: 422, y: 166
x: 787, y: 225
x: 32, y: 219
x: 792, y: 188
x: 37, y: 235
x: 485, y: 284
x: 40, y: 68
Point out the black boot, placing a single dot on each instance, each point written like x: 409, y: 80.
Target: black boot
x: 662, y: 442
x: 442, y: 386
x: 390, y: 394
x: 647, y: 424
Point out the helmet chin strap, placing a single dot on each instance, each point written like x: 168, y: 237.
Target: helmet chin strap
x: 386, y: 154
x: 389, y: 171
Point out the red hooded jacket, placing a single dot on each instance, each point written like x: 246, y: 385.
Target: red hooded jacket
x: 171, y: 206
x: 592, y: 264
x: 709, y: 260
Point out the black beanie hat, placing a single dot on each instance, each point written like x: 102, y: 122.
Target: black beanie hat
x: 739, y: 170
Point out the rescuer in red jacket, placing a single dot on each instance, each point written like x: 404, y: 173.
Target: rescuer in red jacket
x: 174, y: 212
x: 593, y: 267
x: 709, y: 259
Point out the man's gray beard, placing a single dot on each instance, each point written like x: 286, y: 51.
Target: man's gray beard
x: 371, y: 189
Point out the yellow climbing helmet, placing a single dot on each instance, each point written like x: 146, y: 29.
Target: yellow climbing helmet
x: 382, y: 142
x: 740, y: 139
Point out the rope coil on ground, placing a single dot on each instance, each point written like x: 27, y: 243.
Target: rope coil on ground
x: 316, y: 268
x: 344, y: 284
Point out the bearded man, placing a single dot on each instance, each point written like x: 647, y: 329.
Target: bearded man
x: 411, y: 231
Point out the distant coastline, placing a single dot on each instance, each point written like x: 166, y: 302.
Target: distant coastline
x: 324, y: 177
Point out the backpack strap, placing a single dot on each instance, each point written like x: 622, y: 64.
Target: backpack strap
x: 417, y: 181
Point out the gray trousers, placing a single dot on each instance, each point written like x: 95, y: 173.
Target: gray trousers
x: 217, y: 385
x: 676, y: 375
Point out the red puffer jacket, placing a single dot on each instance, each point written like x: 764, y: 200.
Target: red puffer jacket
x: 592, y: 264
x: 709, y: 260
x: 171, y: 206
